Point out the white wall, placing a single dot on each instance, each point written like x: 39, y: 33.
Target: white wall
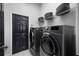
x: 77, y: 30
x: 31, y: 10
x: 68, y: 19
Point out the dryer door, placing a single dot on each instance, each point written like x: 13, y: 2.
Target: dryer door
x: 49, y: 45
x: 31, y: 38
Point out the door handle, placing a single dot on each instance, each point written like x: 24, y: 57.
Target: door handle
x: 3, y: 47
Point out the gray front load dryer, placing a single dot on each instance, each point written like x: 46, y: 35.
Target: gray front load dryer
x: 58, y: 41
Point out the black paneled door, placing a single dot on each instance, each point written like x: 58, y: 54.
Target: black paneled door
x: 1, y: 32
x: 20, y: 33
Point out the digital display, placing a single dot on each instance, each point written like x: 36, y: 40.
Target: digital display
x: 55, y: 28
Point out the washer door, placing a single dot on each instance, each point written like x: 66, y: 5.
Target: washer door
x: 50, y: 45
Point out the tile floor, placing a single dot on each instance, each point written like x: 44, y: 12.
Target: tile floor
x: 23, y: 53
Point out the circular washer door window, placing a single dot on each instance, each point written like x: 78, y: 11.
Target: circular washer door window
x: 49, y: 45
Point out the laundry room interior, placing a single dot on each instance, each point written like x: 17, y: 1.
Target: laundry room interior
x: 39, y: 29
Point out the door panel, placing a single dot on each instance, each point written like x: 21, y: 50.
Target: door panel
x: 20, y: 33
x: 1, y: 32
